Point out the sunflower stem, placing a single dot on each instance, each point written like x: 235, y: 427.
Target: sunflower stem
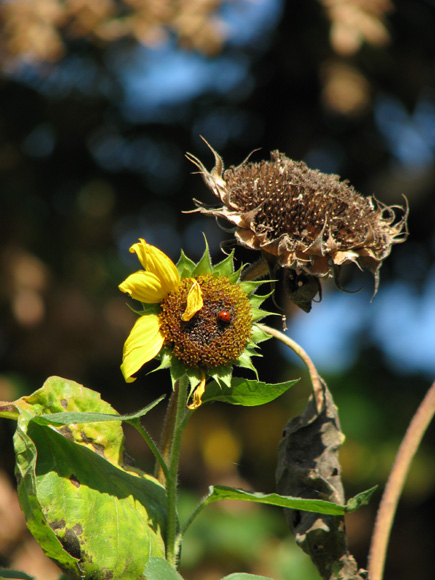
x: 166, y: 435
x: 316, y: 381
x: 172, y: 479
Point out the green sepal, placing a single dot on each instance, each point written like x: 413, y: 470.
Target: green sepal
x: 258, y: 314
x: 226, y: 267
x: 245, y: 362
x: 252, y: 348
x: 204, y: 265
x: 250, y: 286
x: 195, y: 376
x: 185, y: 266
x: 165, y: 356
x: 248, y: 393
x: 177, y: 370
x: 146, y: 309
x: 222, y: 375
x: 257, y: 300
x: 259, y: 335
x: 235, y: 276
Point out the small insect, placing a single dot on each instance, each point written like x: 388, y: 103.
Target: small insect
x: 224, y: 316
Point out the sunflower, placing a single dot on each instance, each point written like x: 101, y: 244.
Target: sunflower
x: 198, y: 319
x: 305, y: 221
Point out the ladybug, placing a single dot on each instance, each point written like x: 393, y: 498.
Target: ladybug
x: 224, y: 316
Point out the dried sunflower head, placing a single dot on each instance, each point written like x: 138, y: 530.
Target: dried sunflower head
x: 301, y: 219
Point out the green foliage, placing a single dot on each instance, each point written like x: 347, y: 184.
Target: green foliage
x: 160, y: 569
x: 81, y: 503
x: 222, y: 492
x: 15, y: 574
x: 246, y: 392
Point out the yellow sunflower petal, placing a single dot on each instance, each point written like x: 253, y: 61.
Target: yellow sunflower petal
x: 145, y: 287
x: 155, y: 261
x: 143, y: 344
x: 194, y: 302
x: 197, y: 394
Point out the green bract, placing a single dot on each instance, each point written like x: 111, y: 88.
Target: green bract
x: 224, y: 331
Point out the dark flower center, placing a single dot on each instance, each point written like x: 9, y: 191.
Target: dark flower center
x: 218, y: 333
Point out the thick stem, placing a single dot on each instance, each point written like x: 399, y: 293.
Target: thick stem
x: 315, y: 379
x: 167, y: 435
x: 172, y: 479
x: 395, y: 483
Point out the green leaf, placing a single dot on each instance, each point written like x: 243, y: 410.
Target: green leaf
x: 226, y: 267
x: 80, y: 503
x: 222, y: 492
x: 72, y: 418
x: 245, y: 576
x: 160, y: 569
x: 15, y: 574
x: 360, y: 499
x: 185, y: 266
x: 246, y: 392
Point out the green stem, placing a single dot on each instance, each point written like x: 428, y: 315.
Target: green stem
x: 160, y: 459
x: 172, y: 477
x: 166, y: 436
x: 193, y: 515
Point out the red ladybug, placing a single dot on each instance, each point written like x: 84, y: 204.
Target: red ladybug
x: 224, y: 316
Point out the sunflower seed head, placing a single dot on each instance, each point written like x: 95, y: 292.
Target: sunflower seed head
x: 301, y: 218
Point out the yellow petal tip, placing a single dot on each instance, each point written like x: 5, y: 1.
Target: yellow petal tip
x: 194, y: 302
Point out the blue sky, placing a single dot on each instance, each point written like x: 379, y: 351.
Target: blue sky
x: 157, y: 81
x: 399, y: 320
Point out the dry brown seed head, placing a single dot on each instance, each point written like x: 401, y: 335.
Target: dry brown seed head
x: 301, y: 218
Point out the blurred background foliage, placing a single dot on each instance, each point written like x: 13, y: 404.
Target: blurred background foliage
x: 99, y: 101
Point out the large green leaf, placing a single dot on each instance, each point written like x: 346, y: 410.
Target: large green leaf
x: 67, y: 418
x: 81, y: 504
x: 245, y: 392
x: 222, y: 492
x: 160, y: 569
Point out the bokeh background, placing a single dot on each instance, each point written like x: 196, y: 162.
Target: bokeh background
x: 99, y: 101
